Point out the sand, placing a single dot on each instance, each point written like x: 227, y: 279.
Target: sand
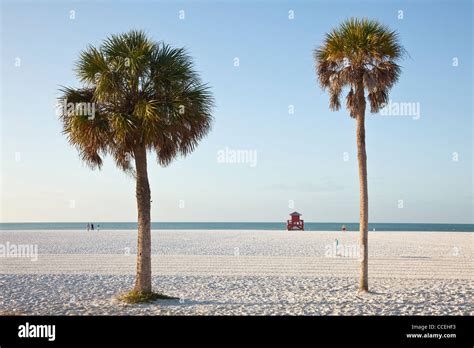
x: 240, y: 273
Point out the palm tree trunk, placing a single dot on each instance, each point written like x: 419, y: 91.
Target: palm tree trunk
x: 143, y: 278
x: 364, y: 195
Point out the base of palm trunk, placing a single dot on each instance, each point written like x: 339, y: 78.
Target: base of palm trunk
x: 135, y: 296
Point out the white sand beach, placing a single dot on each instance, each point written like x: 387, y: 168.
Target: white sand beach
x: 240, y: 273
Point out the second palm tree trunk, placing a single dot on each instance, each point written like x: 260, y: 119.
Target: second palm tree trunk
x: 143, y: 277
x: 364, y: 195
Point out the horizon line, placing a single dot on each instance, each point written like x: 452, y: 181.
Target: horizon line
x: 234, y: 222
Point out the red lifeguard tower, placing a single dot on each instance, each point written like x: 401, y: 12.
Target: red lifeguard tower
x: 295, y: 223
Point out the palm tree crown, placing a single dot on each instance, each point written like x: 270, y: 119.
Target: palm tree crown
x: 359, y: 51
x: 145, y: 94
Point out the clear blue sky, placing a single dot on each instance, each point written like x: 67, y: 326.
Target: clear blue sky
x: 300, y: 156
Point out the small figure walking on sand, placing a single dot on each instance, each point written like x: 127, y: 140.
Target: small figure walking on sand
x: 88, y: 227
x: 98, y: 227
x: 343, y: 228
x: 92, y: 227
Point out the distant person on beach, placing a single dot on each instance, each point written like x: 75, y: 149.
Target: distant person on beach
x: 98, y: 227
x: 92, y: 227
x: 88, y: 227
x: 343, y: 228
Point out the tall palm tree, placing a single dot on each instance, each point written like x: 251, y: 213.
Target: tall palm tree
x: 360, y: 55
x: 147, y: 97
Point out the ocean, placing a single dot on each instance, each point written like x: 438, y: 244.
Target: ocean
x: 309, y: 226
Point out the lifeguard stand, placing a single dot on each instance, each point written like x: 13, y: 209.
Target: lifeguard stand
x: 295, y: 223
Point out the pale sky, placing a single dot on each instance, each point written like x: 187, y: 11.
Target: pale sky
x: 303, y: 156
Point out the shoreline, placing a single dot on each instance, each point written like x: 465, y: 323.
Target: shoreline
x: 235, y: 226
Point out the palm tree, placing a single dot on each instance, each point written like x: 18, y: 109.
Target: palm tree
x: 360, y: 55
x: 146, y: 97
